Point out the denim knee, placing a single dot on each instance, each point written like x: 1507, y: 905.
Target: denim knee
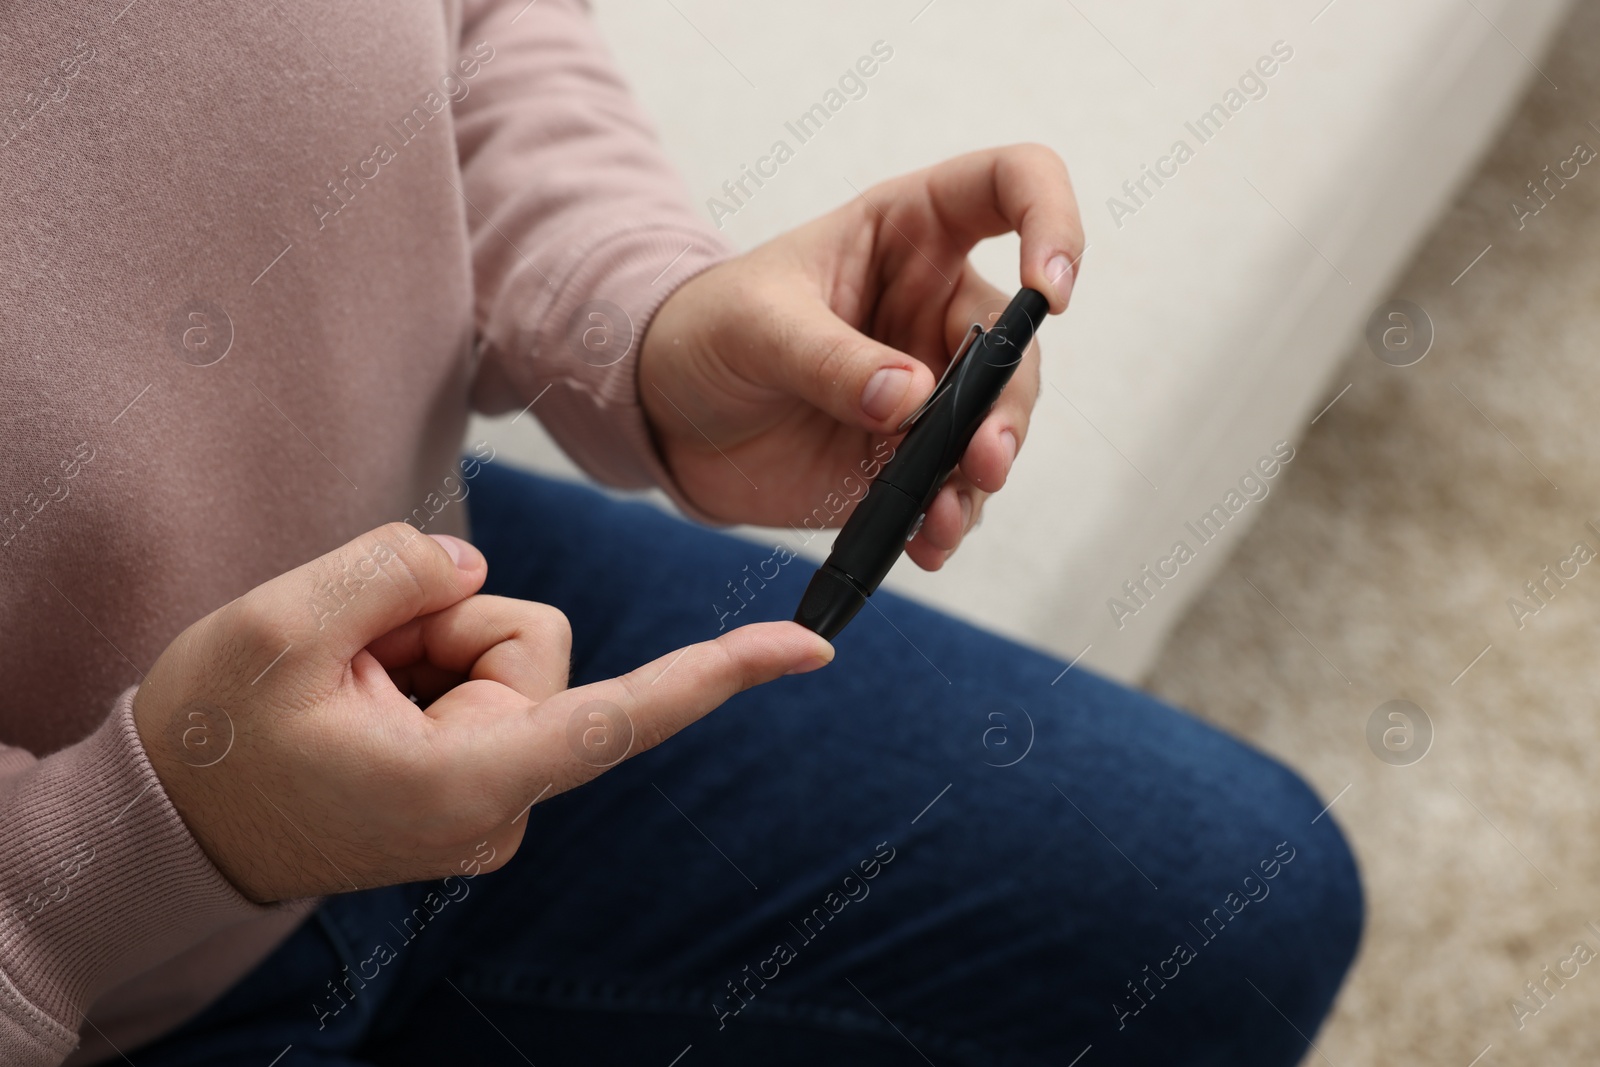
x: 1275, y: 924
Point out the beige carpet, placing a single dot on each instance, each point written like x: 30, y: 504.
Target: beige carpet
x: 1419, y: 503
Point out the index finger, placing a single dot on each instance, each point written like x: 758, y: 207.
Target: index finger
x: 579, y: 733
x: 667, y: 694
x: 1022, y: 188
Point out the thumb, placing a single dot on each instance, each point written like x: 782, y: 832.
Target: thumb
x: 367, y: 587
x: 827, y: 362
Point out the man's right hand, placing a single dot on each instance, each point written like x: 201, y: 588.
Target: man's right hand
x: 282, y: 726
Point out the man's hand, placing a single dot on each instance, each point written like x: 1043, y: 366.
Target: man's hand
x: 283, y: 729
x: 773, y: 380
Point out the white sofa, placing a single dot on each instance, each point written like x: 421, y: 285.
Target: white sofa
x: 1214, y: 303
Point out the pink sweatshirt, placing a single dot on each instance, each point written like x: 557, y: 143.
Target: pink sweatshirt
x: 256, y: 265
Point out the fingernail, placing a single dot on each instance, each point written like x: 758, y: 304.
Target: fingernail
x: 1008, y: 442
x: 462, y: 554
x: 965, y: 500
x: 1058, y: 272
x: 816, y: 662
x: 884, y: 391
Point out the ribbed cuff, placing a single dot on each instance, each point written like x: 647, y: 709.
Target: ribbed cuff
x: 29, y: 1037
x: 592, y: 406
x: 99, y: 880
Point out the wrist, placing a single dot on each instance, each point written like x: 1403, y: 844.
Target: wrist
x: 587, y: 387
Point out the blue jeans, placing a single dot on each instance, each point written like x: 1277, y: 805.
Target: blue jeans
x: 939, y: 849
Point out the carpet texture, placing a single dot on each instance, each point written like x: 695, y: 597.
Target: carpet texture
x: 1384, y: 567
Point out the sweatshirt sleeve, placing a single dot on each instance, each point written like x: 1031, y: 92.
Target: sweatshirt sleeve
x: 99, y: 881
x: 580, y: 229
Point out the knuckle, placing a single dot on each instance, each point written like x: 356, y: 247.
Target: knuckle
x: 635, y: 690
x: 552, y: 628
x: 403, y: 540
x: 738, y: 673
x: 649, y: 736
x: 251, y: 623
x: 488, y: 852
x: 541, y: 630
x: 551, y: 636
x: 398, y: 534
x: 1040, y: 156
x: 502, y: 851
x: 834, y: 359
x: 397, y: 549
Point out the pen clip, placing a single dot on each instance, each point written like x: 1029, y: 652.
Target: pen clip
x: 973, y: 333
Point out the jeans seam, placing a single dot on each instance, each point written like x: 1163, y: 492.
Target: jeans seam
x: 676, y: 1000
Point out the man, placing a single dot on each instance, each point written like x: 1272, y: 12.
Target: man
x: 259, y: 263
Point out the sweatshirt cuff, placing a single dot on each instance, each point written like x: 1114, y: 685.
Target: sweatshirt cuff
x: 100, y: 879
x: 574, y: 349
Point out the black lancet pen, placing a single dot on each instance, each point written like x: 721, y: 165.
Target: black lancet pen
x: 892, y: 511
